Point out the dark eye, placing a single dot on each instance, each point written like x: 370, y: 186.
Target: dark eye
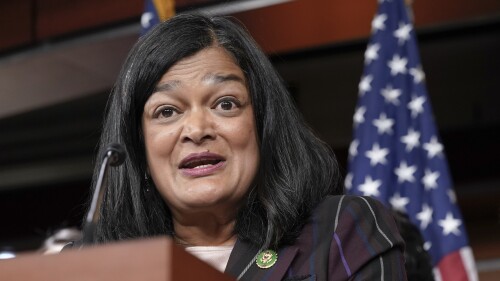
x: 226, y: 105
x: 167, y: 112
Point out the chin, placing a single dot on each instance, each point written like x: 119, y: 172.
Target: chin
x: 204, y: 201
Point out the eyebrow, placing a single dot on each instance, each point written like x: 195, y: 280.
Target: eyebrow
x: 210, y: 78
x: 219, y: 78
x: 167, y: 86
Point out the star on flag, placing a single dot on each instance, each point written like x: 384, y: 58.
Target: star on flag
x: 418, y: 74
x: 370, y: 187
x: 383, y: 124
x: 433, y: 147
x: 371, y: 53
x: 378, y: 22
x: 405, y: 172
x: 450, y: 224
x: 359, y: 116
x: 416, y: 105
x: 391, y: 95
x: 412, y: 139
x: 377, y: 155
x: 364, y: 85
x: 403, y: 32
x: 399, y: 203
x: 425, y: 216
x: 430, y: 179
x: 398, y: 65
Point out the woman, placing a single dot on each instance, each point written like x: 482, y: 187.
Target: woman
x: 220, y: 160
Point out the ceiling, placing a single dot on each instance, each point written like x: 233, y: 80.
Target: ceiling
x: 56, y: 73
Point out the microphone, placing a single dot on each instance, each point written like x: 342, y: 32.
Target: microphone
x: 114, y: 156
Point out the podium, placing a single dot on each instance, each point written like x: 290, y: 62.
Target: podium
x: 157, y: 259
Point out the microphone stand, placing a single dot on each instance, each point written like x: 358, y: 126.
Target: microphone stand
x: 115, y: 156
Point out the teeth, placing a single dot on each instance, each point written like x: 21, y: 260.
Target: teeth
x: 202, y: 166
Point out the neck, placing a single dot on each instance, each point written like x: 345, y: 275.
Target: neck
x: 204, y: 230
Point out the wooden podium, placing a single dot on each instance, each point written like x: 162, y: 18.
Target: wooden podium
x: 157, y: 259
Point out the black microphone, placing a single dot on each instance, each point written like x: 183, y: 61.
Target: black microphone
x: 113, y: 156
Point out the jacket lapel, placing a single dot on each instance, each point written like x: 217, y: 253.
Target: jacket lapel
x: 243, y: 256
x: 285, y: 258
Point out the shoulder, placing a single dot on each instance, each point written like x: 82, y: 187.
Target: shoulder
x: 366, y: 242
x: 339, y: 204
x: 349, y: 215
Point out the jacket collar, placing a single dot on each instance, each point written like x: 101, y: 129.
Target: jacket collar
x: 243, y: 256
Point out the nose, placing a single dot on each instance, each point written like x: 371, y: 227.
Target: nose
x: 198, y: 127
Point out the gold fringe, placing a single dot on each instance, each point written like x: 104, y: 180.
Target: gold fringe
x: 165, y: 8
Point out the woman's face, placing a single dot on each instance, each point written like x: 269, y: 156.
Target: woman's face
x: 200, y: 134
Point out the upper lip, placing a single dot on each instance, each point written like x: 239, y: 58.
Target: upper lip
x: 200, y: 157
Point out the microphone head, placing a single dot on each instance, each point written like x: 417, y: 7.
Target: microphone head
x: 116, y: 154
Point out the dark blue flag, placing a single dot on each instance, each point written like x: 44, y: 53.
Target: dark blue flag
x: 396, y: 155
x: 156, y: 11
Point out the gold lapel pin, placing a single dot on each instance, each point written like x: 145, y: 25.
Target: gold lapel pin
x: 266, y: 258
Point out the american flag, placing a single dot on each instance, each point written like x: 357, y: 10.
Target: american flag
x: 396, y: 155
x: 156, y: 11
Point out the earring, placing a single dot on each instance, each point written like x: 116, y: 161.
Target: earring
x: 146, y: 180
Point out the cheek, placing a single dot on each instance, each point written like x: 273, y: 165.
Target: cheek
x: 160, y: 144
x: 243, y: 142
x: 241, y: 134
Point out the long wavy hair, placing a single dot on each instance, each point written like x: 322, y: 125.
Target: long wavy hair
x: 297, y: 170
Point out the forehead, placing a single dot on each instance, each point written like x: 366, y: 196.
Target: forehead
x: 203, y: 66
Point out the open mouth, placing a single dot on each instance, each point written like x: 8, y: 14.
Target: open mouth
x: 201, y: 160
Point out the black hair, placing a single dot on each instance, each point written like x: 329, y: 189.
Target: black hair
x: 418, y: 262
x: 297, y: 170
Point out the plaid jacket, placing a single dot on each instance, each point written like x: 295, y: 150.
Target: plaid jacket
x: 347, y: 238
